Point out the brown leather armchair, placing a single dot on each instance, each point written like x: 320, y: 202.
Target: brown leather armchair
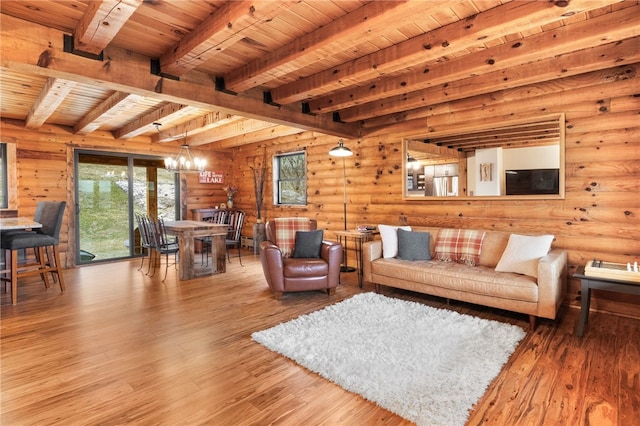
x: 286, y: 274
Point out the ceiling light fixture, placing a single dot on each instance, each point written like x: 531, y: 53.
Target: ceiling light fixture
x: 412, y: 163
x: 184, y: 161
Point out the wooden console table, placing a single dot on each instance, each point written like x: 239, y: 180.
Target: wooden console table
x: 599, y: 283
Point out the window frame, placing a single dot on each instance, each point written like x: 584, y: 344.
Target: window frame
x: 277, y: 181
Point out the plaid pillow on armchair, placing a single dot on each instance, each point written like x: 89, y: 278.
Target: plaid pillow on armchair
x: 286, y: 228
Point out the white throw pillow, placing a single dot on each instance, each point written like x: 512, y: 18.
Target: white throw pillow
x: 523, y: 252
x: 389, y: 237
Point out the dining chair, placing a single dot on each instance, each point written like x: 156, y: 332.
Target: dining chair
x: 145, y: 240
x: 219, y: 217
x: 234, y: 235
x: 162, y: 244
x: 50, y: 215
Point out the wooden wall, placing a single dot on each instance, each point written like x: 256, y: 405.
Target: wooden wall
x: 44, y: 168
x: 598, y: 218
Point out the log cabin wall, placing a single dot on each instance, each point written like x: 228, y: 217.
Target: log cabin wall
x: 45, y: 165
x: 599, y: 217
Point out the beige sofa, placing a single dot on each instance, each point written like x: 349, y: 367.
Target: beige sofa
x: 479, y: 284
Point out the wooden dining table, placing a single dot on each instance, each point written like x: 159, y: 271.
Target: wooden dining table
x: 187, y: 231
x: 18, y: 223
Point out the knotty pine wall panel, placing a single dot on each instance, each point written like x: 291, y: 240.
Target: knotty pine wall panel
x: 44, y: 165
x: 599, y: 217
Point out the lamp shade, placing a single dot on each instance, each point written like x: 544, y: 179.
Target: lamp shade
x: 340, y: 150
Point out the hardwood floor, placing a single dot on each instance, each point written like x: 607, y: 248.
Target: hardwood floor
x: 120, y: 347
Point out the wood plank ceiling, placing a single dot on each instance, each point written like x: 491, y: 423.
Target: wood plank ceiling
x: 228, y: 73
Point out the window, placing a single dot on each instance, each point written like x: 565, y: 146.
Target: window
x: 290, y: 179
x: 4, y: 185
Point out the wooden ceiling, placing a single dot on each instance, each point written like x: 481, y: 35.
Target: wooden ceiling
x: 228, y: 73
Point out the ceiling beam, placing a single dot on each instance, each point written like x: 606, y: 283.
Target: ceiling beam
x: 39, y: 50
x: 561, y: 68
x: 162, y: 115
x: 55, y: 90
x: 569, y: 38
x: 433, y: 149
x: 262, y: 135
x: 101, y: 22
x: 470, y: 33
x: 225, y: 27
x: 355, y: 26
x: 229, y: 130
x: 115, y: 105
x: 207, y: 122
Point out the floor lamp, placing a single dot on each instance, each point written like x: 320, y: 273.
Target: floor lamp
x: 342, y: 151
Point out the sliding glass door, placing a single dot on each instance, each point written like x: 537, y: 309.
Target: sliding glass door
x: 110, y: 190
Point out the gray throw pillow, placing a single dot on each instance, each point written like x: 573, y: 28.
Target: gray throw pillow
x: 413, y: 245
x: 308, y: 244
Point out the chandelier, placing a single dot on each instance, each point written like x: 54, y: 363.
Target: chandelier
x: 184, y: 161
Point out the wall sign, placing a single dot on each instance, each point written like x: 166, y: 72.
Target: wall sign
x: 211, y: 177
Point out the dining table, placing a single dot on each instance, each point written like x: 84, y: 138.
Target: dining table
x: 18, y: 223
x: 187, y: 231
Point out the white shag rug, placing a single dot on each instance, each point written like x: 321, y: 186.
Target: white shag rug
x: 427, y: 365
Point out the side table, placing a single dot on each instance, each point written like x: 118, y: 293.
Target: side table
x: 358, y: 238
x: 599, y: 283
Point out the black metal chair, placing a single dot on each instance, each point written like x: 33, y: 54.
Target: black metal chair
x: 234, y: 236
x: 220, y: 217
x: 162, y: 244
x: 50, y: 215
x: 145, y: 240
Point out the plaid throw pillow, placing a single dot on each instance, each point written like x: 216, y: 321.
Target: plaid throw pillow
x: 286, y: 228
x: 459, y: 245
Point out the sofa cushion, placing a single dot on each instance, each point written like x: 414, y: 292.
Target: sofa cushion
x: 308, y: 244
x: 463, y: 278
x: 413, y: 245
x: 389, y: 237
x: 523, y: 252
x: 493, y: 246
x: 459, y: 245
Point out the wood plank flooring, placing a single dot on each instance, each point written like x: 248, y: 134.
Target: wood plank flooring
x: 120, y: 347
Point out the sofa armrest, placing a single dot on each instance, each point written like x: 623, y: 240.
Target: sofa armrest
x: 371, y: 250
x: 552, y: 283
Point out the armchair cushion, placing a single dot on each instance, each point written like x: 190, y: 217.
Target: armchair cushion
x: 286, y: 228
x: 308, y: 244
x: 305, y: 268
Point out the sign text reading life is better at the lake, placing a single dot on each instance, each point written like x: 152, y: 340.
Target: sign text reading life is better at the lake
x: 211, y: 177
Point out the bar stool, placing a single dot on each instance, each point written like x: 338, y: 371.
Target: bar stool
x: 50, y: 215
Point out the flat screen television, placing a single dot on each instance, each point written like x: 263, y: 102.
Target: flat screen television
x: 532, y: 181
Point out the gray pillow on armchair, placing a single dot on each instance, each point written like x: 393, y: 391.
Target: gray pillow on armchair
x: 308, y: 244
